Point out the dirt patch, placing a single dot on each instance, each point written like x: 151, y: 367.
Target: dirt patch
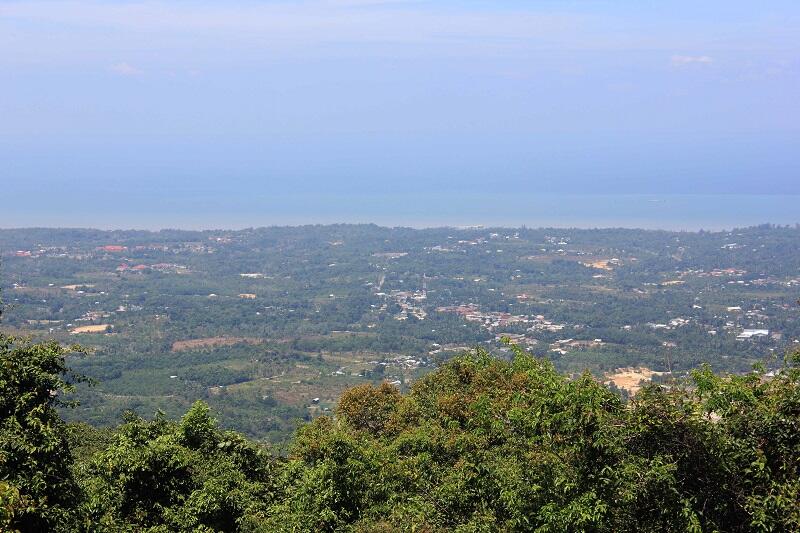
x: 300, y: 395
x: 77, y: 286
x: 631, y: 379
x: 601, y: 264
x: 99, y: 328
x: 212, y: 342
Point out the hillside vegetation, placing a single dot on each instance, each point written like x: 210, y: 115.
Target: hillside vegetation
x: 480, y: 444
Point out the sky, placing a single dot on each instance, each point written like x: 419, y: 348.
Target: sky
x: 184, y: 112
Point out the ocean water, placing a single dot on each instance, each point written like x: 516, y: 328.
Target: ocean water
x: 674, y: 212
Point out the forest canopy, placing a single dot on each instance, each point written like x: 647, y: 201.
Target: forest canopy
x: 480, y: 444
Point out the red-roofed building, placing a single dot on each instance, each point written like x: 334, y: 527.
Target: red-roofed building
x: 113, y: 248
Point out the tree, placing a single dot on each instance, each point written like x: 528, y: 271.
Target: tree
x: 483, y: 444
x: 189, y: 476
x: 480, y: 444
x: 37, y: 487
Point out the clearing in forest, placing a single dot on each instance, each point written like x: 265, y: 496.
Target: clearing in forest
x: 212, y: 342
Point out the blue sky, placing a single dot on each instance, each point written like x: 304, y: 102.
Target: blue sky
x: 140, y: 104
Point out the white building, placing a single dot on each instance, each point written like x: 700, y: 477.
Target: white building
x: 750, y: 333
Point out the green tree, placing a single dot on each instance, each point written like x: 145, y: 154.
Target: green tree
x: 189, y: 476
x: 38, y: 490
x: 488, y: 445
x: 480, y: 444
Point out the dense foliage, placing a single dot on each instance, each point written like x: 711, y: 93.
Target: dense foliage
x: 481, y: 444
x: 37, y: 489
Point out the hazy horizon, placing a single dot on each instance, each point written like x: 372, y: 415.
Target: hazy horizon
x: 149, y: 113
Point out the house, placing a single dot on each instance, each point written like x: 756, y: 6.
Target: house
x: 114, y: 248
x: 750, y: 333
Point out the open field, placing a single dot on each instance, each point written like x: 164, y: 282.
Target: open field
x: 632, y: 379
x: 212, y: 342
x: 96, y: 328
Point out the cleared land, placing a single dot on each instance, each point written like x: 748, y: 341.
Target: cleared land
x: 603, y: 264
x: 212, y: 342
x: 631, y: 379
x: 97, y: 328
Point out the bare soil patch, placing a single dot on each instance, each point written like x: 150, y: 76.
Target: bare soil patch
x: 97, y: 328
x: 631, y: 379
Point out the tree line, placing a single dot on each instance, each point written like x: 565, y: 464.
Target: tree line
x: 480, y: 444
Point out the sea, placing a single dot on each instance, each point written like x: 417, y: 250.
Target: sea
x: 682, y: 212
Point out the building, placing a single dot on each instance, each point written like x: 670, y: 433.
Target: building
x: 751, y: 333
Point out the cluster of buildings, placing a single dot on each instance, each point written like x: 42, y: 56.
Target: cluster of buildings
x: 671, y: 324
x: 402, y: 361
x: 496, y: 320
x: 390, y: 255
x: 252, y: 275
x: 93, y: 316
x: 45, y: 251
x: 562, y: 345
x: 409, y: 302
x: 749, y: 323
x: 158, y: 267
x: 715, y: 273
x: 491, y: 320
x: 461, y: 244
x: 540, y: 323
